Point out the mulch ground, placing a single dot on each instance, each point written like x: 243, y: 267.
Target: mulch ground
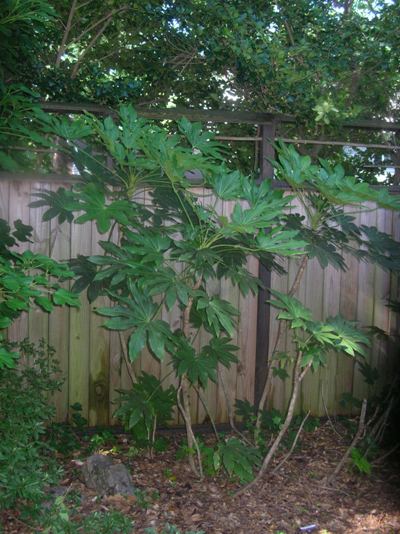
x: 296, y: 496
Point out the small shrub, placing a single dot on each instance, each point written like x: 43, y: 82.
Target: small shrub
x: 62, y: 436
x: 59, y: 520
x: 360, y: 462
x: 238, y: 459
x: 145, y: 406
x: 27, y: 463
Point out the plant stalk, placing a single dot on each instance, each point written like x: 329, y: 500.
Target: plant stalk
x: 298, y: 376
x: 268, y: 381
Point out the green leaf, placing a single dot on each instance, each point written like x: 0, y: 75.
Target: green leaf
x: 137, y: 342
x: 239, y: 459
x: 44, y: 303
x: 8, y: 358
x: 157, y: 341
x: 350, y: 339
x: 221, y: 351
x: 293, y: 309
x: 197, y: 367
x: 5, y: 322
x: 63, y: 296
x: 359, y: 460
x: 228, y: 186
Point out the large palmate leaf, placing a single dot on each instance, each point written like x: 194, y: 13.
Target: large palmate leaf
x: 350, y: 339
x: 228, y: 186
x: 198, y: 368
x: 379, y: 248
x: 221, y: 351
x: 219, y: 314
x: 93, y: 202
x: 239, y: 459
x: 62, y: 204
x: 292, y: 309
x: 138, y: 312
x: 200, y: 139
x: 282, y: 242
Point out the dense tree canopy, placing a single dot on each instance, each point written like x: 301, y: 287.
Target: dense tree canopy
x: 323, y: 61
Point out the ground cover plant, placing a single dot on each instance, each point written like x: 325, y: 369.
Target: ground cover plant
x: 27, y: 462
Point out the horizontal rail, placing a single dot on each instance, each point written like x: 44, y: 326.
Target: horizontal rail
x: 245, y: 117
x: 66, y: 178
x: 355, y: 144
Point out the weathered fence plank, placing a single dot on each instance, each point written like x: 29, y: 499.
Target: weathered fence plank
x: 79, y: 333
x: 59, y: 327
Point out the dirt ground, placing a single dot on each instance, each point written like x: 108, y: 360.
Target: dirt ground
x: 294, y: 497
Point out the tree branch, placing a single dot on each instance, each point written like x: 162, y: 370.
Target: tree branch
x: 64, y: 39
x: 95, y: 24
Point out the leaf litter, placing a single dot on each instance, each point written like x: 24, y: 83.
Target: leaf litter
x: 293, y: 497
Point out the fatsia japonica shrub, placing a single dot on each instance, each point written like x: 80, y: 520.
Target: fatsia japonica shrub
x: 162, y: 243
x: 323, y: 191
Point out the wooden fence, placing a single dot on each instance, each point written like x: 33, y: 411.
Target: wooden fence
x: 91, y: 359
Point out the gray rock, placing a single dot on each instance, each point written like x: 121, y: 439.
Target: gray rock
x: 107, y: 477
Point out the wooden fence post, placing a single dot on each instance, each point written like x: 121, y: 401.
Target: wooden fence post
x: 396, y: 160
x: 267, y: 152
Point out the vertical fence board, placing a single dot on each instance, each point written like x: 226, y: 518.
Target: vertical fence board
x: 174, y: 318
x: 227, y: 378
x: 365, y: 301
x: 4, y: 199
x: 60, y: 249
x: 300, y: 294
x: 313, y: 299
x: 4, y: 214
x: 348, y: 310
x: 38, y: 320
x: 394, y: 318
x: 330, y: 308
x: 380, y: 309
x: 279, y: 283
x: 213, y: 287
x: 19, y: 198
x: 116, y: 362
x: 99, y: 356
x: 79, y: 333
x: 247, y: 337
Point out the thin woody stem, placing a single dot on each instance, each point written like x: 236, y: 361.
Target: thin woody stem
x: 183, y: 398
x: 281, y: 329
x: 126, y: 358
x: 298, y: 376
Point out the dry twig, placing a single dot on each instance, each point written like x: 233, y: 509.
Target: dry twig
x: 358, y: 435
x: 287, y: 456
